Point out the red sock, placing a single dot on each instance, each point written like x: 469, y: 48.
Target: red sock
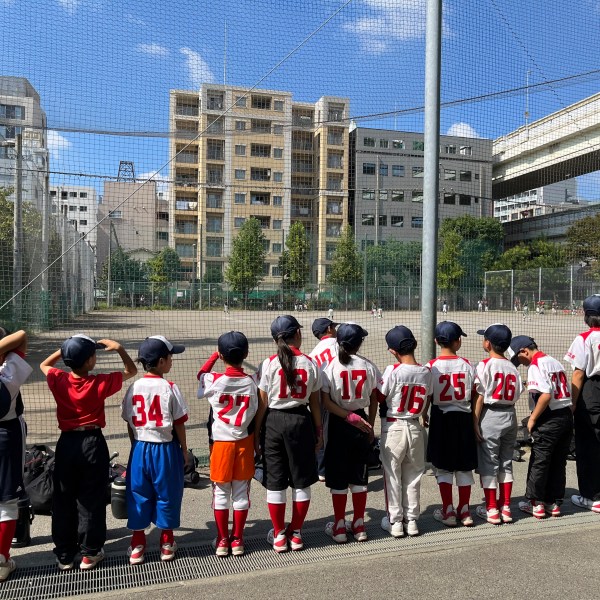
x: 277, y: 513
x: 490, y: 498
x: 464, y: 496
x: 359, y: 502
x: 138, y: 538
x: 505, y: 492
x: 239, y: 522
x: 167, y: 537
x: 7, y: 533
x: 339, y: 507
x: 299, y: 510
x: 446, y: 493
x: 222, y: 520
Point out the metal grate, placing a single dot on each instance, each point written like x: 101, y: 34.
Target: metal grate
x: 199, y: 561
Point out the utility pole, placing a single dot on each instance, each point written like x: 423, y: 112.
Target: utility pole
x: 18, y: 232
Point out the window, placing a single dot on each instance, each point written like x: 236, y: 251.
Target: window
x: 278, y: 105
x: 260, y: 199
x: 214, y: 174
x: 417, y: 196
x: 334, y: 207
x: 266, y: 245
x: 330, y: 250
x: 336, y: 112
x: 397, y: 170
x: 465, y: 176
x: 383, y: 195
x: 450, y: 149
x: 8, y: 132
x: 64, y: 195
x: 275, y: 271
x: 263, y: 221
x: 368, y: 220
x: 449, y: 198
x: 366, y: 243
x: 276, y: 248
x: 277, y: 223
x: 335, y: 160
x: 368, y: 195
x: 333, y: 229
x: 397, y: 196
x: 240, y: 150
x: 214, y: 200
x: 334, y: 182
x: 72, y: 194
x: 257, y: 174
x: 186, y: 227
x: 215, y: 150
x: 73, y: 222
x: 464, y: 200
x: 450, y: 174
x: 418, y: 146
x: 214, y: 100
x: 277, y: 200
x: 240, y: 198
x: 83, y: 194
x: 261, y: 102
x: 82, y: 221
x: 240, y: 101
x: 369, y: 142
x: 266, y: 268
x: 238, y: 221
x: 382, y: 220
x: 162, y: 236
x: 368, y: 168
x: 417, y: 222
x: 335, y: 137
x: 383, y: 143
x: 277, y: 129
x: 52, y: 192
x: 417, y: 172
x: 83, y: 209
x: 260, y: 150
x: 383, y: 170
x: 398, y: 144
x: 240, y: 174
x: 214, y: 224
x: 466, y: 150
x: 277, y: 176
x: 240, y: 125
x: 214, y: 246
x: 277, y: 152
x: 260, y: 126
x: 11, y: 111
x: 185, y: 250
x: 215, y: 126
x: 74, y: 208
x: 397, y: 221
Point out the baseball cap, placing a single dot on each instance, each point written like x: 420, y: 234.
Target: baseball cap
x: 77, y: 349
x: 351, y: 334
x: 448, y: 331
x: 156, y: 347
x: 284, y: 326
x: 516, y: 345
x: 591, y: 305
x: 400, y: 339
x: 499, y: 334
x: 233, y: 345
x: 320, y: 326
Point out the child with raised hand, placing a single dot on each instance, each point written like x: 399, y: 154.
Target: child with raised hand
x: 349, y: 386
x: 404, y: 390
x: 14, y: 371
x: 452, y: 446
x: 81, y: 461
x: 550, y: 426
x: 290, y: 383
x: 156, y: 413
x: 495, y: 422
x: 233, y: 397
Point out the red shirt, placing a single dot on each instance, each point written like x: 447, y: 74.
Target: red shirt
x: 80, y: 400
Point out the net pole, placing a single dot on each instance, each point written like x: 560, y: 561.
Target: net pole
x: 18, y: 231
x: 433, y: 37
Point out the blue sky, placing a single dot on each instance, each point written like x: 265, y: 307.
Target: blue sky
x: 104, y: 65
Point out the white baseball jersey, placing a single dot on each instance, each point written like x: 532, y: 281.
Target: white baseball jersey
x: 498, y: 381
x: 584, y: 352
x: 547, y: 376
x: 14, y: 371
x: 405, y: 389
x: 282, y: 396
x: 152, y: 406
x: 350, y: 386
x: 233, y: 396
x: 325, y: 351
x: 452, y: 381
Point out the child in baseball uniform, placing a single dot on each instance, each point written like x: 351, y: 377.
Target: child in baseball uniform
x: 14, y: 371
x: 81, y: 462
x: 349, y: 386
x: 233, y: 397
x: 156, y: 412
x: 290, y: 383
x: 452, y: 447
x: 550, y: 426
x: 584, y: 356
x: 404, y: 390
x: 495, y: 421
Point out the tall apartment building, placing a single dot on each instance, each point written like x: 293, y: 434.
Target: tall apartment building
x: 386, y: 182
x: 21, y: 112
x: 79, y: 205
x: 238, y: 154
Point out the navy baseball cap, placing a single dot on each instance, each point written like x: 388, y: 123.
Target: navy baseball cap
x: 156, y: 347
x: 591, y: 305
x: 400, y: 339
x: 77, y: 349
x: 352, y: 334
x: 320, y: 326
x: 499, y: 334
x: 284, y: 326
x: 233, y: 344
x: 448, y: 331
x: 516, y: 345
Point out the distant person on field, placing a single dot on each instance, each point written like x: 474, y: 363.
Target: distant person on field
x: 330, y: 311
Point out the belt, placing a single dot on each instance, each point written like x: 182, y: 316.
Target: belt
x: 496, y: 406
x: 394, y: 419
x: 86, y: 428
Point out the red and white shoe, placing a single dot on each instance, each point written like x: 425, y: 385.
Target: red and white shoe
x: 552, y: 510
x: 237, y: 546
x: 90, y: 562
x: 466, y: 519
x: 357, y: 529
x: 448, y: 518
x: 583, y: 502
x: 295, y: 539
x: 506, y: 514
x: 337, y: 534
x: 221, y: 546
x: 537, y: 510
x: 492, y: 516
x: 279, y: 541
x: 136, y: 555
x: 167, y: 551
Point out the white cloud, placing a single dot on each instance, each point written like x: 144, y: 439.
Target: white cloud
x: 153, y: 49
x: 198, y: 70
x: 69, y: 5
x: 161, y: 180
x: 57, y: 144
x: 462, y: 130
x: 135, y: 20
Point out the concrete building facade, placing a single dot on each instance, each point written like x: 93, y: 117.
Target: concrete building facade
x: 79, y: 205
x: 386, y: 182
x: 237, y: 154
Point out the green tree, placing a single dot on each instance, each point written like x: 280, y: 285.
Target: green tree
x: 246, y: 262
x: 396, y: 263
x: 347, y: 265
x: 123, y: 268
x: 535, y: 255
x: 213, y: 275
x: 165, y: 266
x: 583, y: 240
x: 450, y: 268
x: 293, y: 262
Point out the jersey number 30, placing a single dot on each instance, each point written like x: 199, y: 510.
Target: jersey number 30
x: 154, y: 412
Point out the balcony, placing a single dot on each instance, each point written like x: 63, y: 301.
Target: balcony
x: 303, y: 191
x: 302, y: 211
x: 304, y: 145
x: 187, y: 110
x: 187, y: 157
x: 186, y: 181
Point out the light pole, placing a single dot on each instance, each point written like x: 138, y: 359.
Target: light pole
x: 194, y: 269
x: 200, y: 269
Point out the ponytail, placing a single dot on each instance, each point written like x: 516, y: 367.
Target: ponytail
x: 286, y: 360
x: 345, y: 353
